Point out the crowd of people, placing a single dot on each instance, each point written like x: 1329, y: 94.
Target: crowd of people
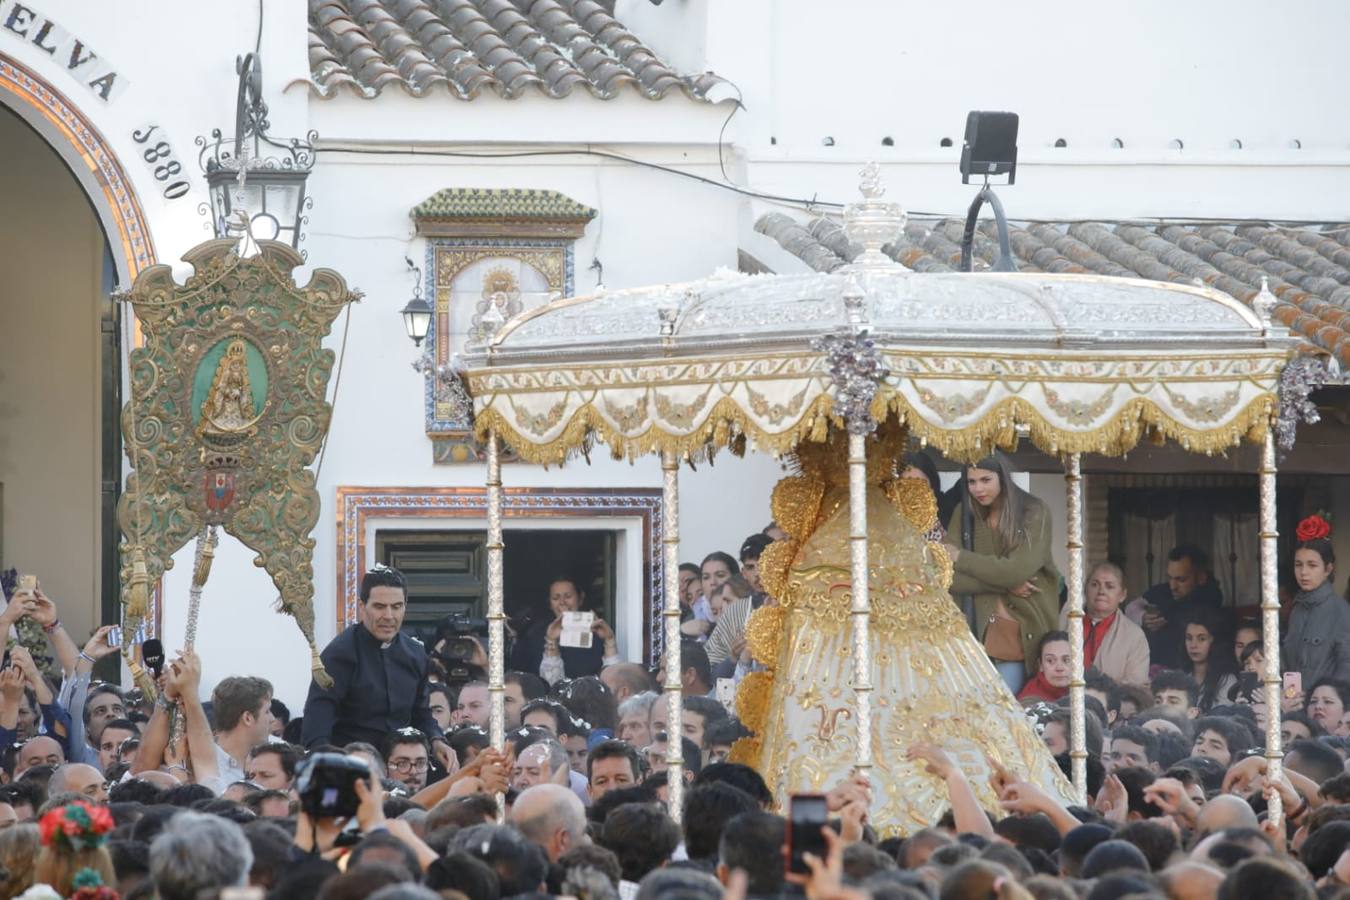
x: 387, y: 784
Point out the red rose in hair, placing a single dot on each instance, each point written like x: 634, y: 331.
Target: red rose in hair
x: 1313, y: 528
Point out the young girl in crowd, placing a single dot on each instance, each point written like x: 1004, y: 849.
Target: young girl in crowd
x: 1317, y: 643
x: 1008, y: 568
x: 1207, y: 658
x: 1248, y: 632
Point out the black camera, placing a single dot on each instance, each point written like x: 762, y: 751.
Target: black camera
x: 455, y: 637
x: 453, y: 646
x: 326, y: 784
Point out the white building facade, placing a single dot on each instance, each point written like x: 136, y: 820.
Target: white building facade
x: 663, y: 173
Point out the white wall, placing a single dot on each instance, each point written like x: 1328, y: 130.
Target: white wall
x: 51, y: 257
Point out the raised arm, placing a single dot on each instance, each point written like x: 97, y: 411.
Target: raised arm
x: 185, y: 675
x: 11, y: 696
x: 968, y: 816
x: 43, y: 612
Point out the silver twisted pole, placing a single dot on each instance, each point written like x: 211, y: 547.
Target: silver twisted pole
x: 496, y: 614
x: 1078, y: 754
x: 861, y: 609
x: 1270, y: 626
x: 670, y: 620
x: 201, y: 569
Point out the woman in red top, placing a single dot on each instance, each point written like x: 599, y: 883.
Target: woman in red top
x: 1052, y: 669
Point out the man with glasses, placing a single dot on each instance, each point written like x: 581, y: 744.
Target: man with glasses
x: 379, y: 674
x: 408, y: 758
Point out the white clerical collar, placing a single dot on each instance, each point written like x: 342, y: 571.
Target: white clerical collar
x: 386, y: 645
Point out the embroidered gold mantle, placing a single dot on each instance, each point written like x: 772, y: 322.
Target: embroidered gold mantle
x: 932, y: 681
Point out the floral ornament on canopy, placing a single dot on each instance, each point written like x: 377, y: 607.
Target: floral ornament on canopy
x: 76, y: 826
x: 1313, y: 528
x: 1300, y: 378
x: 856, y: 368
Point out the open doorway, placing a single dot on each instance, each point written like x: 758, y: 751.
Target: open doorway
x: 60, y: 374
x: 447, y: 571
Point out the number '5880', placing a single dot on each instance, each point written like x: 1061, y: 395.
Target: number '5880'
x: 159, y: 158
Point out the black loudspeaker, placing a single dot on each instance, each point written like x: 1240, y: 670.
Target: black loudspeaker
x: 990, y: 146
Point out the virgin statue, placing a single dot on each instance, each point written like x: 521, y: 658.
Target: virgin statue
x: 228, y: 407
x: 932, y: 682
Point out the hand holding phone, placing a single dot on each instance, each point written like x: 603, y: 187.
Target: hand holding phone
x: 1293, y: 685
x: 806, y: 817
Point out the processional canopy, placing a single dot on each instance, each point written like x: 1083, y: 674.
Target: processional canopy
x: 1077, y: 362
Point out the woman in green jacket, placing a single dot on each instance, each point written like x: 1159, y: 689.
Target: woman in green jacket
x: 1008, y: 568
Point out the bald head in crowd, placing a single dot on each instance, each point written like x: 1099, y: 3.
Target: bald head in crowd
x: 38, y: 751
x: 78, y: 778
x: 552, y: 817
x: 1190, y: 881
x: 1225, y: 811
x: 626, y: 680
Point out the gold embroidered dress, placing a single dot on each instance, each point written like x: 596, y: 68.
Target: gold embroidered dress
x: 931, y: 680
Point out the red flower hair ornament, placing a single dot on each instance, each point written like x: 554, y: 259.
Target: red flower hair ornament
x: 1313, y: 528
x: 76, y: 826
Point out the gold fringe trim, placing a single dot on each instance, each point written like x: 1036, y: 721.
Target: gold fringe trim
x: 752, y: 700
x: 1139, y: 418
x: 763, y: 632
x: 728, y: 425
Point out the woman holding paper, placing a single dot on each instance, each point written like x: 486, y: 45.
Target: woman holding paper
x: 563, y: 647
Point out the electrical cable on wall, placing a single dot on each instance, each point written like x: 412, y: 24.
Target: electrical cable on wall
x: 815, y: 204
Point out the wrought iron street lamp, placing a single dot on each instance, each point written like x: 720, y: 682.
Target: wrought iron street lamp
x: 417, y: 318
x: 445, y: 382
x: 256, y: 182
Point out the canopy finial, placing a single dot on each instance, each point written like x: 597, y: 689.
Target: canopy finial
x: 1264, y: 302
x: 873, y: 222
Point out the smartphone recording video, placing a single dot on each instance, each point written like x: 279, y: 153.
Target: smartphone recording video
x: 806, y: 817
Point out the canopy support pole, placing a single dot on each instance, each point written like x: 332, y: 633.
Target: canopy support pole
x: 1270, y: 625
x: 670, y: 619
x: 861, y: 609
x: 1078, y: 754
x: 496, y: 613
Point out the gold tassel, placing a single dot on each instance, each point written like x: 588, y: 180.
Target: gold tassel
x: 137, y: 600
x: 142, y: 678
x: 321, y: 676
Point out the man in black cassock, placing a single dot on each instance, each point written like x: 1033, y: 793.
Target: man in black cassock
x: 379, y: 674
